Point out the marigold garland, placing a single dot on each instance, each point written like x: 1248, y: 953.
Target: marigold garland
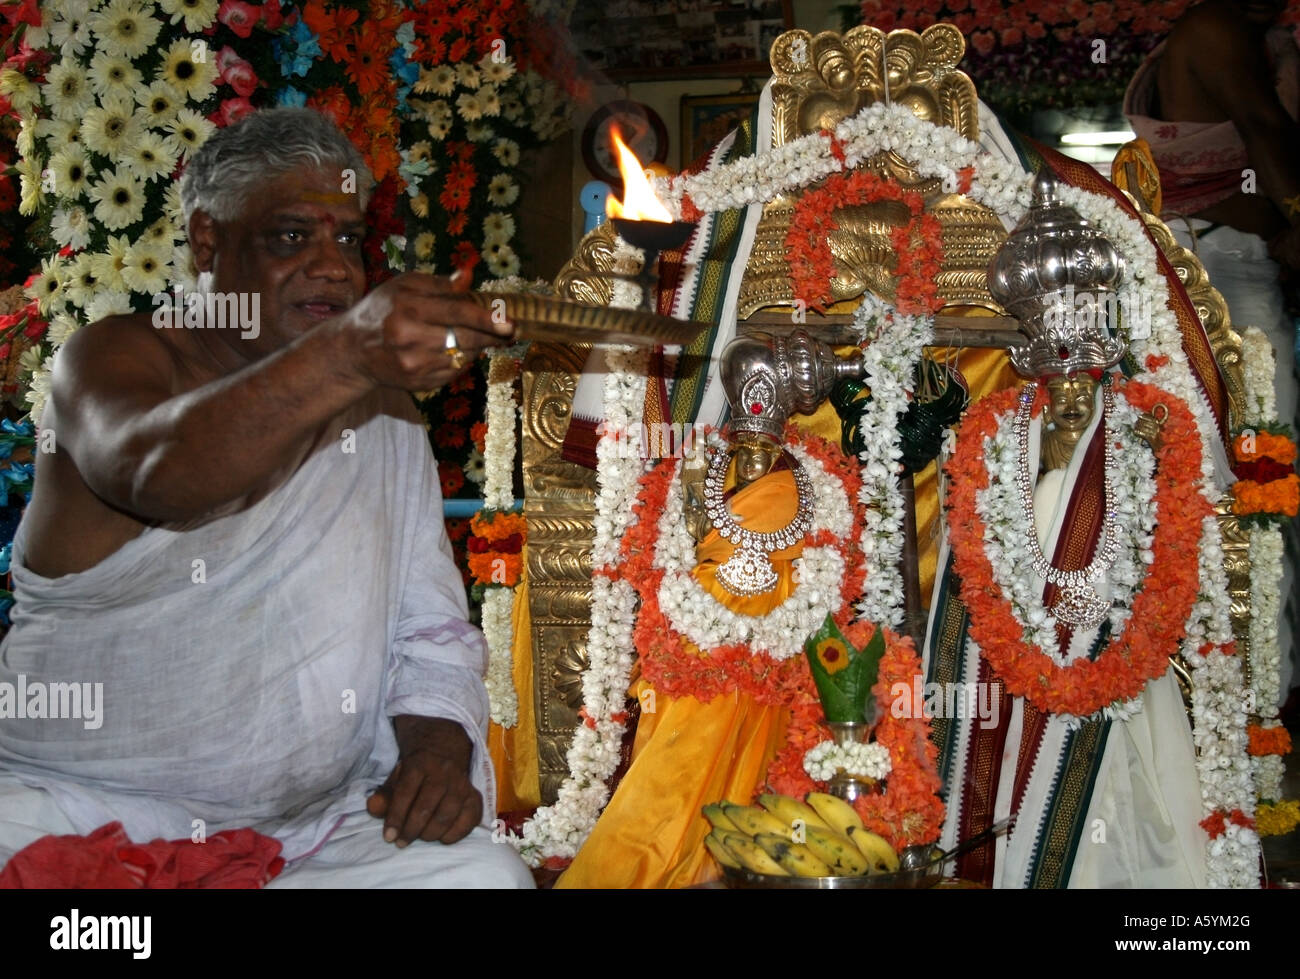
x: 1268, y: 740
x: 1160, y: 608
x: 1277, y: 818
x: 495, y: 547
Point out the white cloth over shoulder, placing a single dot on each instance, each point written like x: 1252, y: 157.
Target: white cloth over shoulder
x: 251, y: 664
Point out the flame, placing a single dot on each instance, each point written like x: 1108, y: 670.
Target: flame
x: 639, y: 202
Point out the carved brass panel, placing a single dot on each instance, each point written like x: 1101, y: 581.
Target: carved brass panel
x: 559, y: 508
x: 820, y: 80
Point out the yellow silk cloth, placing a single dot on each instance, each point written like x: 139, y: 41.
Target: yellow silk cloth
x: 514, y: 750
x: 688, y: 754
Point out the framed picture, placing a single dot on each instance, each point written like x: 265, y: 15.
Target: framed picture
x: 638, y: 125
x: 707, y: 118
x: 639, y: 39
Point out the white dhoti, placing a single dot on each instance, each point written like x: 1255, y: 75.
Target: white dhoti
x: 252, y: 664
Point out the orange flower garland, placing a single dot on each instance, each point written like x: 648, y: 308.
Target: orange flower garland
x: 1267, y: 485
x: 808, y: 250
x: 1268, y: 740
x: 1160, y: 608
x: 496, y: 548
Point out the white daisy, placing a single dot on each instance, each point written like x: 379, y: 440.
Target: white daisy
x: 119, y: 199
x: 71, y: 171
x: 59, y: 132
x: 489, y: 100
x: 504, y: 262
x: 67, y: 91
x: 38, y: 389
x: 144, y: 269
x: 479, y: 132
x: 70, y: 32
x: 47, y: 287
x: 108, y: 303
x: 81, y: 282
x: 502, y: 191
x: 424, y: 244
x: 467, y: 75
x: 194, y: 79
x: 507, y: 152
x: 113, y: 76
x: 439, y: 81
x: 496, y: 72
x: 159, y: 102
x: 71, y: 227
x: 199, y: 15
x: 468, y: 104
x: 188, y: 131
x: 150, y: 156
x: 62, y: 326
x: 124, y: 28
x: 498, y: 226
x: 111, y: 128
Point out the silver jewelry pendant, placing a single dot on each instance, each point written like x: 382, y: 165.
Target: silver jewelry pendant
x: 1080, y: 606
x: 748, y: 572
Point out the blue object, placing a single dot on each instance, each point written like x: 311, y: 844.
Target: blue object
x: 592, y: 197
x: 467, y: 508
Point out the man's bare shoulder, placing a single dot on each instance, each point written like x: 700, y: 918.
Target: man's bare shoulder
x: 1200, y: 32
x: 104, y: 348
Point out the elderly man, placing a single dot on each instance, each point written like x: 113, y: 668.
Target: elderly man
x: 240, y: 537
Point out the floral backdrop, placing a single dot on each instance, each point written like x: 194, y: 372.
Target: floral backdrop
x: 114, y: 96
x: 1037, y: 54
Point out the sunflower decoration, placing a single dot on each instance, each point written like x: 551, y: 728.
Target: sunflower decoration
x: 843, y: 673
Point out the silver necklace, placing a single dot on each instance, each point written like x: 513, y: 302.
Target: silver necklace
x: 749, y: 570
x: 1077, y: 602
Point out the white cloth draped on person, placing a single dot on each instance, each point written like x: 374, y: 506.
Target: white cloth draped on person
x: 251, y: 664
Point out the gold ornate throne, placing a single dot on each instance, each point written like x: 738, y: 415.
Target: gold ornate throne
x: 817, y: 81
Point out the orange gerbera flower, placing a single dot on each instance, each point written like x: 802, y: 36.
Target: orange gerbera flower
x: 333, y: 27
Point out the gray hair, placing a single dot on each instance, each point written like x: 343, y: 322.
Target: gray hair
x: 224, y: 171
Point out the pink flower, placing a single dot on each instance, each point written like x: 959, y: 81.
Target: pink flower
x: 983, y: 41
x: 232, y: 110
x: 240, y: 17
x: 236, y: 72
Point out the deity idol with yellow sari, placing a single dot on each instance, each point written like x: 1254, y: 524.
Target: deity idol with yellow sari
x: 760, y: 544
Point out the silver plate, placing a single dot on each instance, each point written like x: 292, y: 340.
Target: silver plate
x: 921, y: 877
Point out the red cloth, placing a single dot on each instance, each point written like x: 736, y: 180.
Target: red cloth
x: 108, y: 859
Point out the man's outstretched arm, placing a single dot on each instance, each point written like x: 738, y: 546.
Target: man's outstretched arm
x: 163, y: 456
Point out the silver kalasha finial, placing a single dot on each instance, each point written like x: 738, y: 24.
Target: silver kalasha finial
x: 1057, y: 274
x: 766, y: 378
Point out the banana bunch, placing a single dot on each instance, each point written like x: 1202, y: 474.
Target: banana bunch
x: 784, y: 837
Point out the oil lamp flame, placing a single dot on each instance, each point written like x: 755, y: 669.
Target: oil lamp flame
x: 639, y: 202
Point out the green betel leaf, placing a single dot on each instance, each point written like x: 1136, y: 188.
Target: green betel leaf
x: 826, y: 649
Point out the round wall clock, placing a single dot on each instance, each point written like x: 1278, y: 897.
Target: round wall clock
x: 639, y: 127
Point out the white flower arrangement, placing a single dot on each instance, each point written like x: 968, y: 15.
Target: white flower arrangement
x: 499, y: 450
x: 894, y: 346
x: 824, y: 760
x: 560, y: 829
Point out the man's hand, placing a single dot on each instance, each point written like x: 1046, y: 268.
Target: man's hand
x: 428, y: 796
x: 400, y: 331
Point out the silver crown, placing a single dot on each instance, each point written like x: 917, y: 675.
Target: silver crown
x: 1057, y: 274
x: 766, y: 378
